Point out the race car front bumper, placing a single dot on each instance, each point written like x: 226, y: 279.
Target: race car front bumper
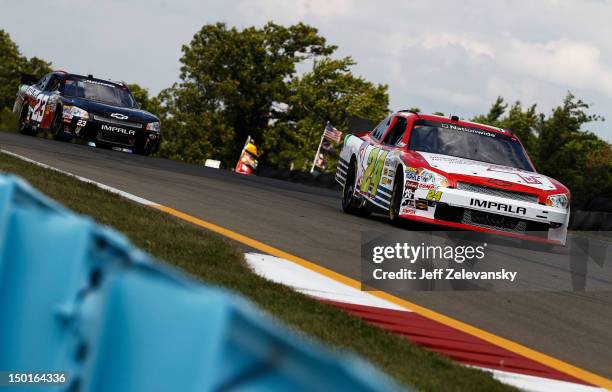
x: 482, y: 212
x: 110, y: 134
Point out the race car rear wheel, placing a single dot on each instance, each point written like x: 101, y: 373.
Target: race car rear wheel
x: 351, y: 203
x: 24, y: 124
x: 396, y: 198
x: 57, y: 127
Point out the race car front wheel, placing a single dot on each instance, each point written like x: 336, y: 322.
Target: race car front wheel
x: 351, y: 203
x: 24, y: 124
x: 396, y: 198
x: 57, y: 127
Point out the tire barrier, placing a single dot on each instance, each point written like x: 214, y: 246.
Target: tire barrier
x: 78, y: 298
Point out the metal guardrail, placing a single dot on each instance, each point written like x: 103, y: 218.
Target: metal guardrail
x: 77, y: 298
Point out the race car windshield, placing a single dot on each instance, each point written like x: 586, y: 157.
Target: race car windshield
x: 468, y: 143
x: 99, y: 91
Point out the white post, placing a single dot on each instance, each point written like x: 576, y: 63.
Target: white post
x: 314, y: 162
x: 248, y: 140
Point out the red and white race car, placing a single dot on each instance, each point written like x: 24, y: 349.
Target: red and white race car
x: 452, y: 173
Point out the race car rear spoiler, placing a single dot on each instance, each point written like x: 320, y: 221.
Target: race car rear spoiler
x: 358, y: 125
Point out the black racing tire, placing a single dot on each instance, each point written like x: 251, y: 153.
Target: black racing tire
x: 24, y: 125
x: 140, y: 149
x: 351, y: 204
x: 57, y: 127
x: 396, y: 198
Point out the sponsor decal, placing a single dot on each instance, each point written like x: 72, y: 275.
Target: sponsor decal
x: 528, y: 178
x: 100, y: 83
x: 408, y: 203
x: 118, y: 130
x: 427, y: 186
x: 421, y: 205
x: 411, y: 174
x: 412, y: 184
x: 407, y: 211
x: 491, y: 205
x: 409, y: 193
x: 81, y: 123
x: 433, y: 195
x: 119, y: 116
x: 469, y: 130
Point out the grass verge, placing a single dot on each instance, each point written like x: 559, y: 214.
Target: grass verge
x: 214, y: 259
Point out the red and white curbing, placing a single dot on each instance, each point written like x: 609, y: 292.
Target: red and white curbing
x: 526, y: 375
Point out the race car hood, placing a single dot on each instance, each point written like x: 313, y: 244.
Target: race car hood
x: 487, y: 172
x: 132, y: 114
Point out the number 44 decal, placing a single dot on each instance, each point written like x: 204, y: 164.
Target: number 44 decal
x: 39, y: 109
x: 373, y: 171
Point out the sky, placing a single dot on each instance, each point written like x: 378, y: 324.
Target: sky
x: 450, y: 56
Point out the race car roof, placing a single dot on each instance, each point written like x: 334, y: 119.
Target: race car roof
x: 118, y: 84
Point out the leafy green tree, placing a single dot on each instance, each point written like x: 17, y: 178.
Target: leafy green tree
x: 329, y: 92
x: 572, y: 155
x: 522, y: 122
x: 12, y: 64
x: 145, y: 102
x: 559, y: 145
x: 236, y: 77
x: 190, y: 132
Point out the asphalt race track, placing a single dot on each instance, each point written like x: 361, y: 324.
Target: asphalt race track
x: 308, y: 222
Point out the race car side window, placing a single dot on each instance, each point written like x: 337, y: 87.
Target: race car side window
x: 43, y: 82
x: 53, y: 83
x: 396, y: 132
x: 381, y: 128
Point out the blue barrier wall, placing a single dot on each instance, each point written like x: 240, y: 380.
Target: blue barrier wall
x: 78, y: 298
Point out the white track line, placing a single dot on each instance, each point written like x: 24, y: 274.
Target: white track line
x: 119, y: 192
x: 312, y: 283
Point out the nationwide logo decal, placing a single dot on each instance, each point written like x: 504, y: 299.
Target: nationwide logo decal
x: 119, y: 116
x: 491, y: 205
x: 118, y: 130
x: 469, y: 130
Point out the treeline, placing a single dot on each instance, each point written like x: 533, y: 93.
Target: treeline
x: 234, y: 83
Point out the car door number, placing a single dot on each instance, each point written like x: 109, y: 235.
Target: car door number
x: 373, y: 171
x: 39, y: 109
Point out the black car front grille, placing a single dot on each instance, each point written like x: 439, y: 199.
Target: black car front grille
x: 488, y: 220
x: 493, y: 221
x: 115, y: 138
x: 514, y: 195
x: 115, y: 121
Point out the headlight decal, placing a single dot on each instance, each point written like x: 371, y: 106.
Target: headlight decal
x: 154, y: 126
x: 559, y: 201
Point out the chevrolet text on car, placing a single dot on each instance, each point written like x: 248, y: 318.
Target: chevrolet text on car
x: 99, y: 111
x: 453, y: 173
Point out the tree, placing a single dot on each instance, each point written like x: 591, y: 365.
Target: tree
x: 559, y: 145
x: 329, y: 92
x: 12, y: 64
x: 521, y: 122
x: 236, y: 77
x: 145, y: 102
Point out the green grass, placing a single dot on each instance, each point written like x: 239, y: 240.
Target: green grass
x: 214, y: 259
